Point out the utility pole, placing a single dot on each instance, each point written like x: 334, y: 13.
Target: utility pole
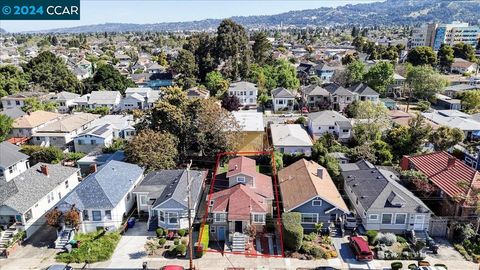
x: 190, y: 237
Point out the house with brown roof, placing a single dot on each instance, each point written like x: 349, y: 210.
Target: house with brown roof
x: 246, y: 202
x: 307, y: 188
x: 455, y: 183
x: 27, y: 124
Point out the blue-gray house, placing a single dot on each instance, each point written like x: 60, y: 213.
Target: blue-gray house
x: 306, y: 187
x: 162, y: 195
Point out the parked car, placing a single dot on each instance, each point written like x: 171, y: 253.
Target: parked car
x: 360, y: 248
x: 173, y: 267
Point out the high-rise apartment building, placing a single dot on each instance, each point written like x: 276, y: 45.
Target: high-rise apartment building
x: 434, y: 35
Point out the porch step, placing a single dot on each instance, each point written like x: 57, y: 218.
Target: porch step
x: 238, y: 243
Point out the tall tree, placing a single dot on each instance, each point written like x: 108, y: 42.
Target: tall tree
x: 380, y: 76
x: 445, y: 57
x: 286, y: 75
x: 202, y: 46
x: 424, y: 82
x: 12, y: 80
x: 185, y: 65
x: 445, y: 137
x: 153, y: 150
x: 470, y: 100
x: 261, y: 48
x: 51, y: 73
x: 422, y: 55
x: 464, y: 51
x: 232, y: 49
x: 33, y: 104
x: 230, y: 103
x: 374, y: 119
x: 216, y: 84
x: 6, y: 124
x: 108, y: 78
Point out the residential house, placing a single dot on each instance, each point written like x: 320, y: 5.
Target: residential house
x: 316, y: 97
x: 94, y: 138
x: 396, y: 88
x: 28, y: 124
x: 332, y: 122
x: 25, y: 199
x: 307, y: 188
x: 163, y: 196
x: 340, y: 97
x: 453, y: 181
x: 153, y: 80
x: 110, y: 99
x: 139, y: 98
x: 122, y: 125
x: 447, y: 103
x: 454, y: 119
x: 246, y: 201
x: 326, y: 71
x: 196, y: 92
x: 105, y: 197
x: 89, y: 163
x: 12, y: 161
x: 252, y: 129
x: 124, y: 60
x: 463, y: 66
x: 65, y: 101
x: 283, y: 99
x: 363, y: 92
x: 380, y: 201
x: 453, y: 90
x: 13, y: 113
x: 61, y: 132
x: 305, y: 70
x: 246, y: 92
x: 291, y: 139
x: 155, y: 68
x: 18, y: 100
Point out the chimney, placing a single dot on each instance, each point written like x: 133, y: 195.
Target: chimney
x: 320, y: 172
x: 93, y: 168
x: 404, y: 163
x: 451, y: 162
x: 44, y: 169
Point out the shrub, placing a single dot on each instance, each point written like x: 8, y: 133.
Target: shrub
x: 462, y: 232
x: 462, y: 251
x: 269, y: 223
x: 184, y: 241
x: 317, y: 252
x: 371, y: 235
x: 401, y: 239
x: 180, y: 249
x: 182, y: 232
x: 396, y: 265
x: 159, y: 232
x: 306, y: 247
x: 292, y: 231
x: 423, y: 105
x: 96, y: 246
x: 386, y: 238
x: 162, y: 241
x: 175, y: 242
x: 310, y: 237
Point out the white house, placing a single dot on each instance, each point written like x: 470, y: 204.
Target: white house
x: 246, y: 92
x: 283, y: 99
x: 12, y: 161
x: 30, y: 195
x: 65, y: 101
x: 139, y: 98
x: 463, y: 66
x: 291, y: 139
x: 105, y: 197
x: 94, y: 138
x: 320, y: 123
x: 18, y: 100
x: 110, y: 99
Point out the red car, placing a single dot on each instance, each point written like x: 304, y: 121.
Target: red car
x: 360, y: 248
x: 304, y: 110
x: 173, y: 267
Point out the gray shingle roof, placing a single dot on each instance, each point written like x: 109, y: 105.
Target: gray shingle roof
x: 105, y: 188
x: 336, y: 89
x: 33, y: 185
x: 281, y: 92
x: 363, y: 90
x: 13, y: 113
x: 10, y: 154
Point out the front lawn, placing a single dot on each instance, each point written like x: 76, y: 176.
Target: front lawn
x: 93, y: 247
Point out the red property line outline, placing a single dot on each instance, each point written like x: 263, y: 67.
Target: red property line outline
x: 276, y: 186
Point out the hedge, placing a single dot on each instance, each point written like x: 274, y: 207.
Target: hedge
x: 292, y: 231
x: 372, y: 235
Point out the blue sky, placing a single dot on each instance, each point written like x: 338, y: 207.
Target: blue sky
x: 155, y: 11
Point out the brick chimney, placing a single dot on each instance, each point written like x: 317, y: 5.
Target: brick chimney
x: 44, y: 169
x: 404, y: 163
x: 93, y: 168
x: 451, y: 162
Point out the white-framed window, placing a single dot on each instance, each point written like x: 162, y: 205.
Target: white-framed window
x: 212, y: 202
x: 387, y: 218
x: 240, y: 179
x: 143, y: 199
x: 28, y: 215
x: 400, y: 218
x: 108, y: 214
x: 172, y: 218
x: 96, y: 215
x: 258, y: 218
x: 309, y: 218
x: 220, y: 217
x: 373, y: 217
x: 316, y: 202
x: 161, y: 215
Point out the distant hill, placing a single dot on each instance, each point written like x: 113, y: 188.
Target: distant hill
x: 389, y: 12
x: 2, y: 31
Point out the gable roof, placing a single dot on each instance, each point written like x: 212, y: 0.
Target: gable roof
x: 105, y: 188
x: 35, y: 119
x: 104, y: 97
x: 336, y: 89
x: 315, y: 90
x: 248, y: 166
x: 10, y: 154
x: 328, y: 117
x: 290, y: 135
x: 64, y: 95
x: 239, y: 202
x: 454, y: 180
x: 242, y: 86
x: 300, y: 182
x: 69, y: 123
x: 13, y: 113
x: 32, y: 185
x: 363, y: 90
x: 282, y: 92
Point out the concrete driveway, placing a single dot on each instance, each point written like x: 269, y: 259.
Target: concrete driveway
x: 347, y: 256
x: 130, y: 250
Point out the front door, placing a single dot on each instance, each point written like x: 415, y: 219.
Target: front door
x: 419, y: 221
x: 221, y: 233
x: 238, y: 227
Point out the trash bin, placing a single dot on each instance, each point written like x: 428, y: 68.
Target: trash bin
x: 74, y: 243
x: 131, y: 222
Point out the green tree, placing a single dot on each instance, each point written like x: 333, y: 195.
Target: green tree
x: 383, y: 153
x: 374, y: 119
x: 232, y: 49
x: 364, y: 151
x: 51, y: 73
x: 12, y: 80
x: 185, y: 65
x: 292, y: 230
x: 445, y: 57
x: 470, y: 100
x: 286, y: 75
x: 38, y: 153
x: 445, y: 137
x: 108, y: 78
x: 216, y: 84
x: 464, y: 51
x: 153, y: 150
x: 380, y: 76
x: 261, y: 48
x: 424, y: 82
x: 422, y: 55
x: 203, y: 47
x: 355, y: 72
x: 230, y: 103
x: 33, y: 104
x: 6, y: 124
